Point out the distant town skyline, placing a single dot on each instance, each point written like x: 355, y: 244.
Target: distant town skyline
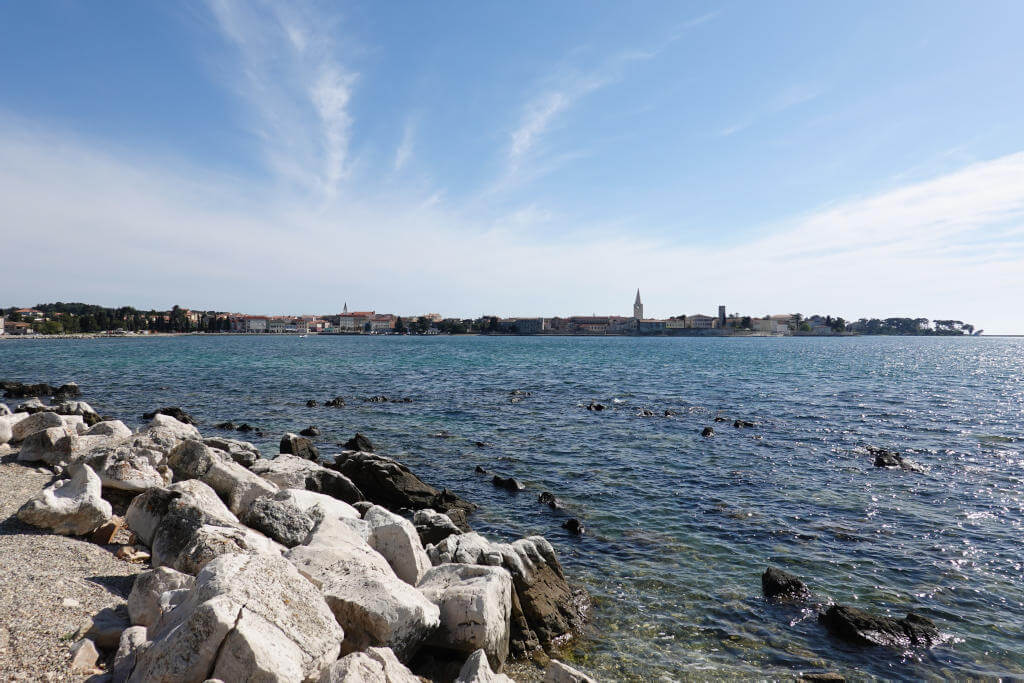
x: 864, y: 160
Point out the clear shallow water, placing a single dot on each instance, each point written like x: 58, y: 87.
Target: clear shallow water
x: 679, y: 527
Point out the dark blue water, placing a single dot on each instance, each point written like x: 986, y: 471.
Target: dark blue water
x: 679, y: 527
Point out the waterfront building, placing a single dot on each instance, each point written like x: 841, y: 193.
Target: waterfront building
x: 638, y: 307
x: 619, y: 324
x: 589, y: 324
x: 254, y: 324
x: 721, y: 316
x: 651, y: 326
x: 354, y: 322
x: 701, y: 322
x: 382, y: 323
x: 30, y: 313
x: 18, y: 328
x: 277, y: 324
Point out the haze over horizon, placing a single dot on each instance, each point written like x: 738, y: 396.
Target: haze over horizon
x: 530, y: 159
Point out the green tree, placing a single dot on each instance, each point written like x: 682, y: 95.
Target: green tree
x: 399, y: 325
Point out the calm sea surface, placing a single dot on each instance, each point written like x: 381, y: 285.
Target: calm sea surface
x: 679, y: 527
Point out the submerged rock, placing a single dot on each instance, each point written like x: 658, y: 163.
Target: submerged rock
x: 310, y: 431
x: 574, y: 526
x: 336, y: 402
x: 743, y: 423
x: 863, y: 628
x: 550, y: 500
x: 293, y: 444
x: 892, y: 459
x: 311, y: 403
x: 707, y: 432
x: 358, y: 443
x: 508, y: 483
x: 776, y: 583
x: 594, y: 405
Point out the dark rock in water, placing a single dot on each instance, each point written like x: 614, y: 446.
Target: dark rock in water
x: 280, y: 520
x: 336, y: 402
x: 376, y: 399
x: 66, y: 391
x: 172, y: 411
x: 646, y: 412
x: 776, y: 583
x: 892, y: 459
x: 707, y: 432
x: 33, y: 406
x: 226, y: 425
x: 719, y: 418
x: 863, y: 628
x: 573, y: 526
x: 822, y: 677
x: 358, y: 443
x: 481, y: 444
x: 20, y: 390
x: 480, y: 470
x: 549, y: 499
x: 300, y: 446
x: 311, y: 403
x: 442, y: 434
x: 245, y: 427
x: 507, y: 483
x: 669, y: 412
x: 387, y: 482
x: 519, y: 392
x: 459, y: 517
x: 743, y: 423
x: 311, y: 430
x: 594, y: 405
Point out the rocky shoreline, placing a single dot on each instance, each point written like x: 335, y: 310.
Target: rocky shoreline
x: 292, y: 567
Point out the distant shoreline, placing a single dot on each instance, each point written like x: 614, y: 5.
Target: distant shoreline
x: 98, y: 335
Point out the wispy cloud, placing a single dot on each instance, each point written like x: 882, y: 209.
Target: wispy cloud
x: 298, y: 90
x: 404, y: 151
x: 786, y: 99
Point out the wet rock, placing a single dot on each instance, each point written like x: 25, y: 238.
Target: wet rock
x: 280, y: 520
x: 293, y: 472
x: 480, y: 470
x: 477, y: 670
x: 311, y: 403
x: 144, y: 606
x: 310, y: 431
x: 73, y: 507
x: 388, y: 482
x: 594, y: 405
x: 475, y: 605
x: 481, y: 444
x: 646, y: 412
x: 293, y: 444
x: 20, y: 390
x: 509, y: 483
x: 707, y: 432
x: 358, y: 443
x: 33, y: 406
x: 336, y: 402
x: 376, y: 399
x: 863, y: 628
x: 669, y: 413
x: 573, y: 526
x: 892, y: 459
x: 776, y: 583
x: 433, y: 527
x: 226, y: 425
x: 244, y: 427
x: 743, y: 423
x: 719, y: 418
x: 558, y: 672
x: 549, y: 499
x: 249, y: 617
x: 174, y: 411
x: 242, y: 452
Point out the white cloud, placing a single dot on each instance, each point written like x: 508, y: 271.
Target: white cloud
x: 298, y: 91
x: 113, y: 229
x: 404, y: 151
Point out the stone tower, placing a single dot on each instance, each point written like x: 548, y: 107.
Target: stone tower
x: 345, y: 308
x: 638, y: 307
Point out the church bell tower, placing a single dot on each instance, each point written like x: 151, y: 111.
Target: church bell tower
x: 638, y: 307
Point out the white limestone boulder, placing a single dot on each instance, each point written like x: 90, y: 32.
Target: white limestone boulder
x: 373, y: 606
x: 376, y: 665
x: 242, y: 452
x: 396, y: 539
x: 309, y: 501
x: 6, y: 432
x: 114, y: 428
x: 4, y: 409
x: 127, y: 464
x: 292, y: 472
x: 124, y: 658
x: 144, y: 599
x: 192, y: 499
x: 209, y: 542
x: 248, y: 618
x: 52, y: 446
x: 236, y: 485
x: 167, y: 432
x: 71, y: 507
x: 476, y: 604
x: 477, y: 670
x: 36, y: 422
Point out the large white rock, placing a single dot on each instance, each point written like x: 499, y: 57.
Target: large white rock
x: 557, y: 672
x: 124, y: 659
x: 236, y: 485
x: 144, y: 600
x: 476, y: 604
x: 36, y: 422
x: 471, y: 548
x: 69, y: 506
x: 292, y: 472
x: 248, y: 618
x: 168, y: 432
x: 110, y: 428
x: 4, y: 410
x: 242, y: 452
x: 148, y: 509
x: 376, y: 665
x: 308, y: 501
x: 52, y: 446
x: 374, y: 606
x: 477, y: 670
x: 396, y: 539
x: 6, y: 432
x: 209, y: 542
x: 126, y: 464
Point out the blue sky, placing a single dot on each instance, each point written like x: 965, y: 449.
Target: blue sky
x: 860, y: 159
